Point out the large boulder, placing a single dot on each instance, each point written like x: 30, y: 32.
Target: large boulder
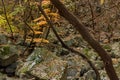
x: 8, y: 55
x: 44, y: 65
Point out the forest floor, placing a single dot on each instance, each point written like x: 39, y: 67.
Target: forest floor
x: 35, y: 64
x: 50, y: 60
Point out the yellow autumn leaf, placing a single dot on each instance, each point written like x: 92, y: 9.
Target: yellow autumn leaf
x: 38, y: 32
x: 102, y: 1
x: 47, y: 10
x: 38, y: 19
x: 41, y: 23
x: 38, y: 40
x: 54, y: 14
x: 45, y: 2
x: 37, y: 27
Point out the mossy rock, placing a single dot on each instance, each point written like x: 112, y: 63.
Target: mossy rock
x: 3, y: 39
x: 7, y: 55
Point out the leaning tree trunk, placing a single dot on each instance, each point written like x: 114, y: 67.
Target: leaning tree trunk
x: 85, y: 34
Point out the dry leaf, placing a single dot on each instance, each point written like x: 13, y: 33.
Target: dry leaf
x: 41, y: 23
x: 38, y: 32
x: 101, y: 2
x: 38, y: 19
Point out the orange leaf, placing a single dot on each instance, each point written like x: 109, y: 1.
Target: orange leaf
x: 38, y: 32
x: 39, y: 40
x: 47, y: 10
x: 41, y: 23
x: 54, y: 14
x: 45, y: 2
x: 38, y: 19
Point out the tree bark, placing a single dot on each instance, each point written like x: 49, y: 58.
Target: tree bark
x: 85, y: 34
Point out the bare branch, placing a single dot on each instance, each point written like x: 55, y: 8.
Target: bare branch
x: 7, y: 18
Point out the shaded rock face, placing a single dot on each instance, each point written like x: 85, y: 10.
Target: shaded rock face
x: 3, y: 39
x: 62, y: 52
x: 8, y: 58
x: 72, y: 72
x: 10, y: 70
x: 83, y: 71
x: 8, y: 55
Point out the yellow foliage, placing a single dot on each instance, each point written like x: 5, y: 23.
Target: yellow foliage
x: 54, y: 15
x: 36, y: 28
x: 38, y: 40
x: 55, y: 19
x: 38, y: 32
x: 41, y: 40
x: 47, y: 10
x: 38, y: 19
x: 41, y: 23
x: 45, y: 2
x: 102, y: 1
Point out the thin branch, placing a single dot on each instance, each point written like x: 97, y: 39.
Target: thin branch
x: 31, y: 39
x: 15, y: 3
x: 27, y: 25
x: 92, y: 13
x: 7, y: 18
x: 98, y: 16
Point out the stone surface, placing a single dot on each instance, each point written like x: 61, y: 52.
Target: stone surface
x: 103, y: 75
x: 63, y: 52
x: 3, y: 39
x: 84, y: 70
x: 72, y: 72
x: 10, y: 70
x: 5, y: 77
x: 116, y: 49
x: 46, y: 66
x: 49, y: 70
x: 8, y: 55
x: 90, y: 75
x: 99, y: 65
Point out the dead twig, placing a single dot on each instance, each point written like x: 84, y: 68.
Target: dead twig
x: 7, y: 19
x: 92, y: 13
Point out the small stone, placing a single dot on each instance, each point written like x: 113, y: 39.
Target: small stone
x: 90, y: 75
x: 99, y: 65
x: 64, y: 52
x: 10, y: 70
x: 112, y: 55
x: 83, y: 70
x: 72, y: 72
x: 103, y: 75
x: 70, y: 42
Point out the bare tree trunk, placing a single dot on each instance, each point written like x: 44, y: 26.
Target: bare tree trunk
x: 85, y: 34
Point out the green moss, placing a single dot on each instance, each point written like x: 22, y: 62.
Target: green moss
x: 5, y: 50
x: 107, y: 47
